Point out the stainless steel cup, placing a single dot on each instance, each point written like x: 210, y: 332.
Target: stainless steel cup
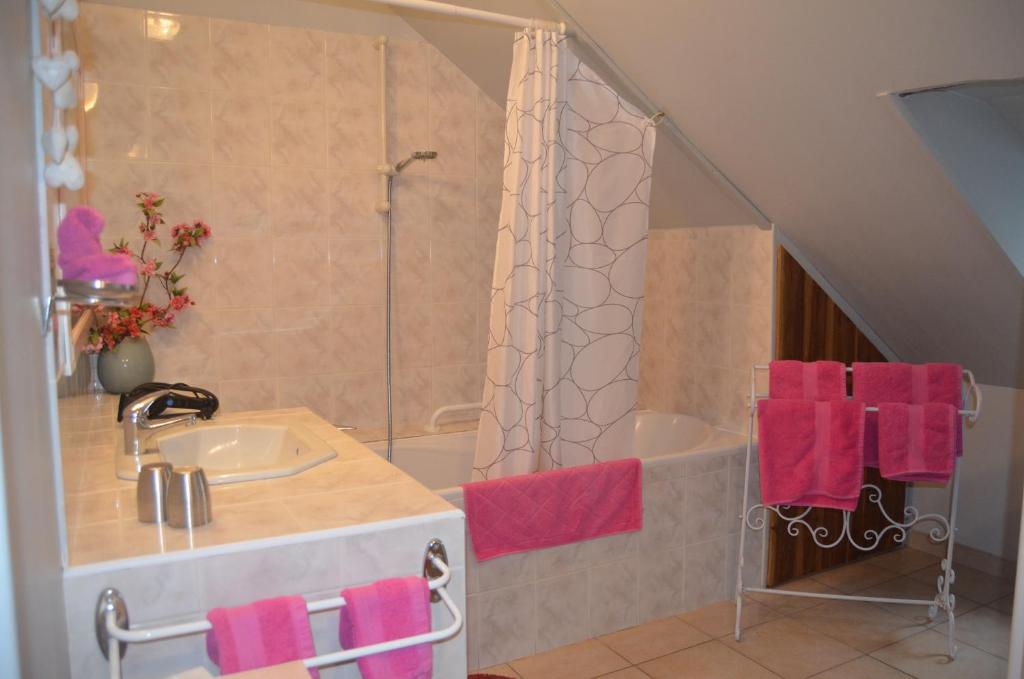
x: 151, y: 492
x: 188, y: 498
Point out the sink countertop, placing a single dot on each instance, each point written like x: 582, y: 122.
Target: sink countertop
x: 357, y: 487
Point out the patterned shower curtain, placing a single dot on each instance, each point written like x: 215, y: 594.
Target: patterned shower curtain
x: 567, y: 298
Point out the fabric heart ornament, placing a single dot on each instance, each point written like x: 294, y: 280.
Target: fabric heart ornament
x: 55, y: 143
x: 60, y: 9
x: 53, y: 72
x: 67, y: 173
x: 66, y: 96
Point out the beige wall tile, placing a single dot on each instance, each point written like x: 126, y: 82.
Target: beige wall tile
x: 179, y: 50
x: 240, y: 54
x: 116, y: 127
x: 179, y: 126
x: 241, y: 128
x: 112, y: 43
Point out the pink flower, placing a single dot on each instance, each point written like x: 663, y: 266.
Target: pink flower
x: 148, y: 269
x: 149, y: 234
x: 179, y: 302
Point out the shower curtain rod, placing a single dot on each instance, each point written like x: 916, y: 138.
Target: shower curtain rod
x: 479, y: 14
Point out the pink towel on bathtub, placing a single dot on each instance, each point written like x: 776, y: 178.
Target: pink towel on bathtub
x: 817, y: 381
x: 916, y: 442
x: 875, y: 383
x: 545, y: 509
x: 386, y: 610
x: 811, y: 452
x: 260, y: 634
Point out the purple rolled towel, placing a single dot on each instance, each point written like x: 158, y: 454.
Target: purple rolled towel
x: 82, y: 257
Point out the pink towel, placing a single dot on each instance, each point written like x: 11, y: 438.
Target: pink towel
x: 260, y: 634
x: 915, y: 442
x: 875, y: 383
x: 82, y: 257
x: 386, y: 610
x: 818, y: 381
x: 811, y: 452
x: 544, y: 509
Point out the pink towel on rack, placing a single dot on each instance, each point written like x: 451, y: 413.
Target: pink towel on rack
x: 916, y: 441
x: 82, y: 257
x: 544, y: 509
x: 811, y: 453
x: 260, y: 634
x: 818, y: 381
x: 875, y: 383
x: 386, y: 610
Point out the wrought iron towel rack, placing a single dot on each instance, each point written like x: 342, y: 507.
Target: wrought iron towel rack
x: 795, y: 519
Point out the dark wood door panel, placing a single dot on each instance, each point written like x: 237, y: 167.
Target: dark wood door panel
x: 810, y: 327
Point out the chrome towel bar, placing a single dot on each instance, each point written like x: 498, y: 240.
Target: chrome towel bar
x: 113, y: 632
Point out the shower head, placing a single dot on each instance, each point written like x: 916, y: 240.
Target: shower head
x: 416, y: 155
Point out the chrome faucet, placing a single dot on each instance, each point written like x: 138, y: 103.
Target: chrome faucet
x: 136, y: 422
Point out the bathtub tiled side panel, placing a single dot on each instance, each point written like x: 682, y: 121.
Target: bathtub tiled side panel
x: 316, y: 568
x: 684, y: 558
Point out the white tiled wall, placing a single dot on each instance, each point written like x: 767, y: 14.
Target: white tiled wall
x: 317, y: 568
x: 270, y: 133
x: 684, y: 558
x: 707, y: 319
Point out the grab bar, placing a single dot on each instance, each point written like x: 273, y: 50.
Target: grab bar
x: 113, y: 633
x: 432, y: 426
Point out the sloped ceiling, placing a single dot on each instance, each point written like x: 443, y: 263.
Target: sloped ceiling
x: 784, y: 98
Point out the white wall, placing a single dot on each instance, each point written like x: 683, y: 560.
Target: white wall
x: 983, y: 156
x: 27, y: 391
x: 991, y: 476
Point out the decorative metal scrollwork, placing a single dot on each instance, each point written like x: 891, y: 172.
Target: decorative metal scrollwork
x: 868, y: 541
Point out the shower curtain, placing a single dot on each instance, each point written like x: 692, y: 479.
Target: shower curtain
x: 567, y: 296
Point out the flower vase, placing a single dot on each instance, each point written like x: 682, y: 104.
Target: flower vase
x: 126, y: 366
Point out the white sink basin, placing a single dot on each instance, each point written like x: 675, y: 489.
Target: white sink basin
x: 234, y: 452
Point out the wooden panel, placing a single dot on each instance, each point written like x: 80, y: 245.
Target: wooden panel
x: 810, y: 327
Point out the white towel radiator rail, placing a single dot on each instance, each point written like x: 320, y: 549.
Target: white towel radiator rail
x: 944, y: 531
x: 113, y: 633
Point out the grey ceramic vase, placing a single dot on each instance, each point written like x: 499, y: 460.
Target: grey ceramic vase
x: 127, y: 366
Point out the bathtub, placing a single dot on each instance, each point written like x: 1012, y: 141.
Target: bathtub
x: 445, y: 461
x: 684, y: 557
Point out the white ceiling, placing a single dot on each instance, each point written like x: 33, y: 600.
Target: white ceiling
x: 784, y: 98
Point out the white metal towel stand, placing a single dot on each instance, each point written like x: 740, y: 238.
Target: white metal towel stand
x: 113, y: 633
x: 794, y: 518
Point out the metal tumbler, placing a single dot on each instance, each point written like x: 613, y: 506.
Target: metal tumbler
x: 188, y: 498
x: 151, y: 492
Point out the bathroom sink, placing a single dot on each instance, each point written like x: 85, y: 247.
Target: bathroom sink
x: 233, y: 452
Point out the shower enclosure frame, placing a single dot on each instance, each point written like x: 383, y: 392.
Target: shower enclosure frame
x: 944, y: 531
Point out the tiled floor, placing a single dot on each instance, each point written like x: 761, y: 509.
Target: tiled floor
x: 797, y: 638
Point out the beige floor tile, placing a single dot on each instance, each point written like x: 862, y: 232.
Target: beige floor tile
x: 712, y: 660
x: 862, y: 668
x: 971, y: 583
x: 924, y: 655
x: 500, y: 670
x: 584, y: 660
x: 986, y: 628
x: 905, y: 560
x: 908, y: 588
x: 863, y: 626
x: 661, y: 637
x: 791, y: 649
x: 628, y: 673
x: 1004, y: 605
x: 720, y: 619
x: 854, y: 577
x: 787, y: 605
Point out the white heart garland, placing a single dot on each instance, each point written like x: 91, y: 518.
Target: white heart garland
x: 68, y: 171
x: 60, y: 9
x: 57, y: 73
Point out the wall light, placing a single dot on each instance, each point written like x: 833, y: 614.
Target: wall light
x: 161, y: 26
